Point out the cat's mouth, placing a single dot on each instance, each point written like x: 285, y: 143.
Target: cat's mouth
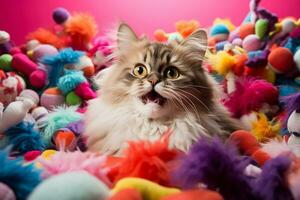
x: 153, y: 97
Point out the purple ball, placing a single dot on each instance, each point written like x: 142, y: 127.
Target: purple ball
x: 60, y: 15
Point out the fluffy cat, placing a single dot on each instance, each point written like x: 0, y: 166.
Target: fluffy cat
x: 153, y: 87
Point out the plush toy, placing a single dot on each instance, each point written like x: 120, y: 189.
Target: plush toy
x: 293, y: 113
x: 81, y: 28
x: 214, y: 164
x: 62, y: 162
x: 11, y: 85
x: 16, y: 111
x: 101, y: 53
x: 148, y: 160
x: 45, y: 36
x: 80, y: 185
x: 56, y: 119
x: 74, y: 81
x: 23, y: 138
x: 148, y: 189
x: 21, y: 179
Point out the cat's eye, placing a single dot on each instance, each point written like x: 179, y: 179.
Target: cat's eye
x: 171, y: 73
x: 140, y: 71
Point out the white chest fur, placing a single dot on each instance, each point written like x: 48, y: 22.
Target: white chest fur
x: 109, y: 128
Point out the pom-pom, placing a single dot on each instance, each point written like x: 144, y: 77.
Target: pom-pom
x: 59, y: 118
x: 81, y: 28
x: 58, y: 61
x: 23, y: 138
x: 185, y: 28
x: 250, y: 95
x: 271, y: 185
x: 216, y: 165
x: 75, y: 161
x: 222, y: 62
x: 45, y: 36
x: 22, y: 179
x: 146, y: 160
x: 70, y: 80
x: 265, y: 130
x: 6, y: 193
x: 72, y: 99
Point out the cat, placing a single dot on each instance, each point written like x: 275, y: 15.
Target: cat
x: 154, y: 87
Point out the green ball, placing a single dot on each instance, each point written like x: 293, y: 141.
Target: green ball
x: 72, y: 99
x: 261, y: 28
x: 5, y: 62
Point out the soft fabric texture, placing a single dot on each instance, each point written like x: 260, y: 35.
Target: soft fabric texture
x: 216, y: 165
x: 77, y: 185
x: 58, y: 118
x: 24, y: 137
x: 148, y: 160
x: 70, y: 81
x: 62, y: 162
x: 22, y: 179
x: 57, y: 63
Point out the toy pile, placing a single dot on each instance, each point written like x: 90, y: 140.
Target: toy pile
x: 46, y: 83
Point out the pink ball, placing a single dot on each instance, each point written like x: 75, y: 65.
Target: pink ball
x: 51, y: 98
x: 30, y: 94
x: 251, y: 43
x: 6, y: 193
x: 23, y: 64
x: 38, y: 78
x: 237, y: 41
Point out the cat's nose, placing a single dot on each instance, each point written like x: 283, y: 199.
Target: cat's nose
x: 153, y: 79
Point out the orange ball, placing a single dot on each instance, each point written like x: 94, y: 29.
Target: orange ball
x: 261, y: 157
x: 64, y: 139
x: 281, y: 60
x: 246, y: 29
x: 245, y: 141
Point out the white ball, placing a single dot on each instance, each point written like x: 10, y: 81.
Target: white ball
x: 297, y: 59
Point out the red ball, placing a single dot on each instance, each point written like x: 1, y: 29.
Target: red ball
x: 281, y: 60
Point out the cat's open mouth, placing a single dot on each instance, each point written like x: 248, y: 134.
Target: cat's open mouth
x: 153, y: 97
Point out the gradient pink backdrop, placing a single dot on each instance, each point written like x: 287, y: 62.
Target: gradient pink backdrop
x: 19, y: 17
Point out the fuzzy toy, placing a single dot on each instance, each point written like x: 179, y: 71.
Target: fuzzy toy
x: 58, y: 118
x: 186, y: 28
x: 250, y: 95
x: 14, y: 113
x: 75, y: 80
x: 81, y: 28
x: 46, y: 36
x: 215, y: 165
x: 265, y: 130
x: 195, y: 194
x: 23, y: 137
x: 57, y: 63
x: 22, y: 179
x: 147, y: 160
x: 248, y: 145
x: 271, y: 185
x: 62, y: 162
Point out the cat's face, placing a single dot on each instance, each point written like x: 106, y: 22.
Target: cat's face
x: 159, y: 79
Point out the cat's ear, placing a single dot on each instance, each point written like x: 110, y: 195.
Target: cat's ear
x: 196, y: 43
x: 126, y: 36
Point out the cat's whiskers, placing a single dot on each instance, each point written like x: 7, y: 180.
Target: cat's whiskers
x: 176, y: 96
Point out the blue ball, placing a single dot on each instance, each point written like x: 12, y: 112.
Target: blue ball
x: 219, y: 29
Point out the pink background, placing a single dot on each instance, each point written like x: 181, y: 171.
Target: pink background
x: 19, y: 17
